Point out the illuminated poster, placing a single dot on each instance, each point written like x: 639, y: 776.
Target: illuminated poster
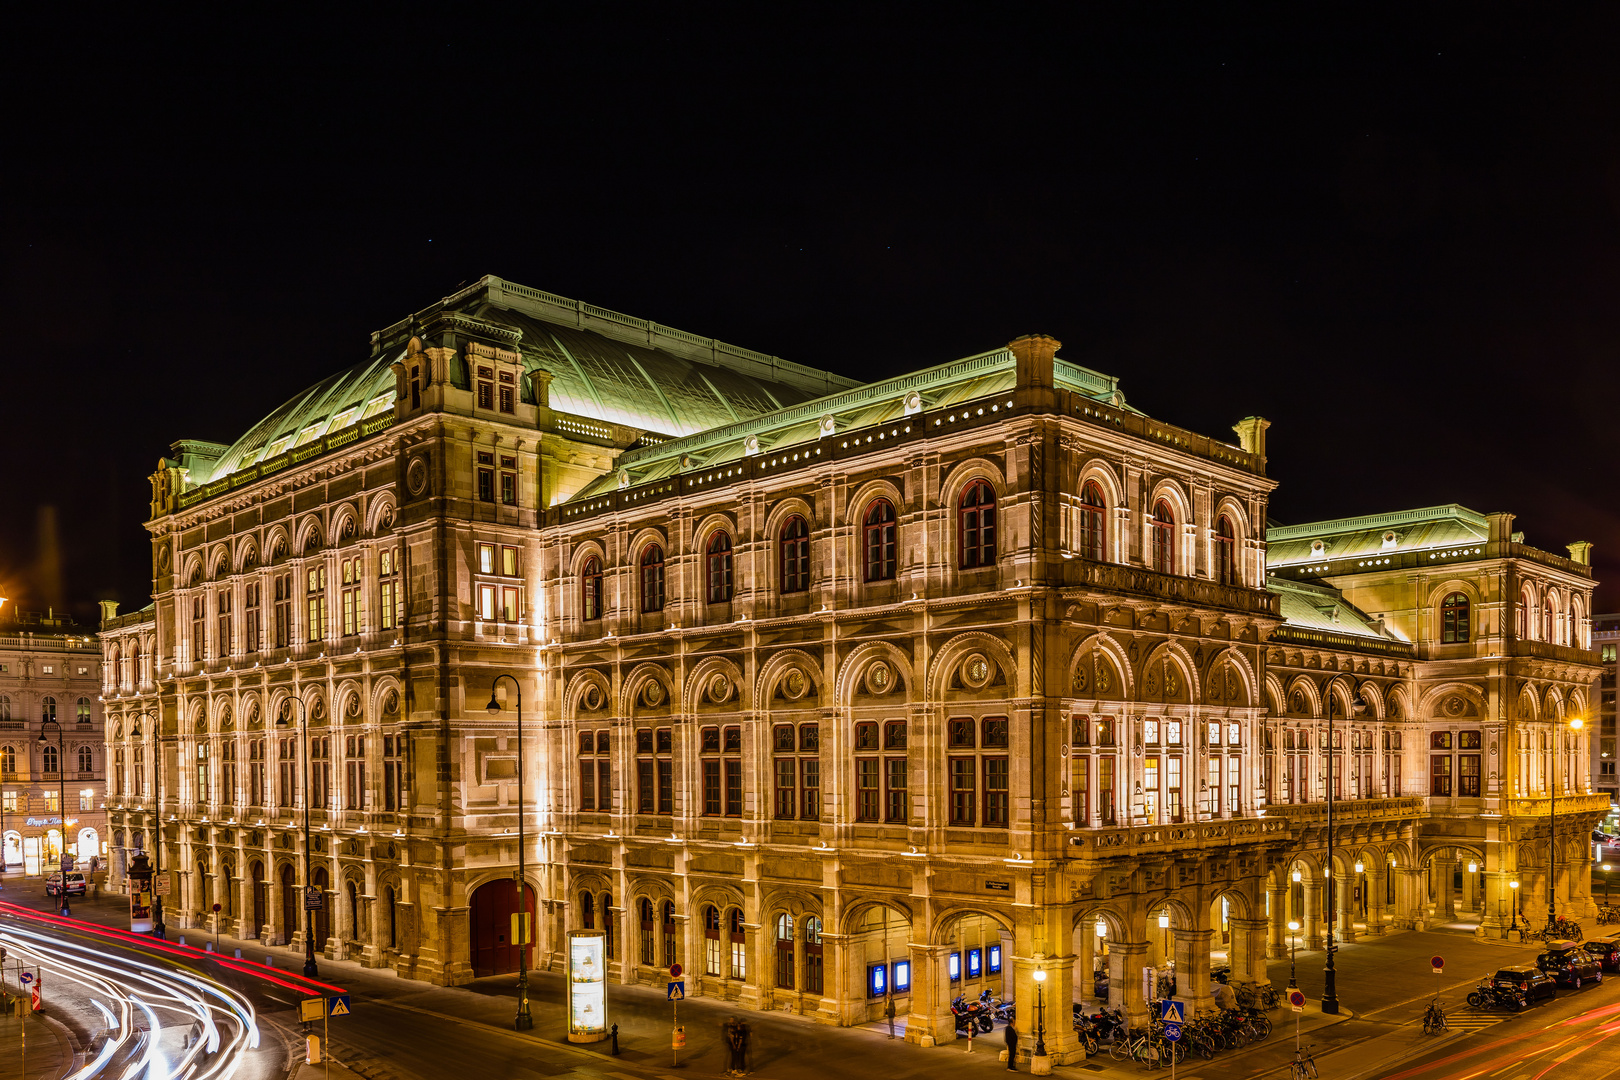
x: 140, y: 908
x: 587, y: 987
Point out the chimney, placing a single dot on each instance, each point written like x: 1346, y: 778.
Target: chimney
x: 1251, y: 433
x: 109, y: 611
x: 1581, y: 552
x: 1034, y: 354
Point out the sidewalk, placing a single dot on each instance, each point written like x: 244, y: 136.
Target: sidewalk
x: 32, y: 1047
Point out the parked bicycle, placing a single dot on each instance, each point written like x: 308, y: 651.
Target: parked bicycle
x: 1303, y: 1067
x: 1608, y: 913
x: 1434, y: 1018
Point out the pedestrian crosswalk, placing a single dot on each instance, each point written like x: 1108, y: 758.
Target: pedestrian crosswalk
x: 1467, y: 1021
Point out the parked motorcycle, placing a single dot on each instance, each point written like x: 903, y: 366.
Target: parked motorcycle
x: 1487, y: 995
x: 1001, y: 1011
x: 971, y: 1014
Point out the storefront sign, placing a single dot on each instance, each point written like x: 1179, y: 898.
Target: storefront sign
x: 587, y: 987
x: 998, y: 886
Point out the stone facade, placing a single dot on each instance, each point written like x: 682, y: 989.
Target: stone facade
x: 936, y: 681
x: 50, y: 682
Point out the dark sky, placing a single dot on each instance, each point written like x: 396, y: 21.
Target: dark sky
x: 1394, y: 235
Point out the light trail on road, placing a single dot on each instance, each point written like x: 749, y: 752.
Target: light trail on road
x: 134, y: 997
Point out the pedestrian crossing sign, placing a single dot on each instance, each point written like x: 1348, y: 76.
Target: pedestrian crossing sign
x: 1174, y: 1011
x: 338, y: 1005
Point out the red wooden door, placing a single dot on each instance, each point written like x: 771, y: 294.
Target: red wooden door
x: 493, y: 905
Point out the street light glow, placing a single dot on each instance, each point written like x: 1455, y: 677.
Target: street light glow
x: 1039, y: 975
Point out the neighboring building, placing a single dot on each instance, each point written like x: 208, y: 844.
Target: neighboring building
x: 50, y: 683
x: 828, y: 690
x: 1606, y: 639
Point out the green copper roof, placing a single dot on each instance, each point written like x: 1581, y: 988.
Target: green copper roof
x: 1319, y: 608
x: 1402, y: 531
x: 606, y: 366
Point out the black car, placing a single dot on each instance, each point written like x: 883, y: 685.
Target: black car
x: 1570, y: 964
x: 1605, y: 950
x: 1529, y: 980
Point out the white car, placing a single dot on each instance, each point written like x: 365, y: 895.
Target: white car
x: 75, y: 884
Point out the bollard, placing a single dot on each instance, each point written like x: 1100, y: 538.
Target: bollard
x: 312, y: 1049
x: 239, y: 954
x: 269, y: 961
x: 614, y: 1035
x: 208, y: 946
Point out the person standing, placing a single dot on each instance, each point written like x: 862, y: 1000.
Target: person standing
x: 1012, y: 1048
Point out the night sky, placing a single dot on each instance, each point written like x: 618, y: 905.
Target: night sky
x: 1395, y: 236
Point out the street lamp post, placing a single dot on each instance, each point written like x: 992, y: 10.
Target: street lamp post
x: 1039, y: 975
x: 1575, y: 724
x: 1608, y: 879
x: 1330, y: 990
x: 1514, y: 885
x: 1293, y: 930
x: 158, y: 929
x: 524, y: 1020
x: 310, y: 968
x: 61, y: 800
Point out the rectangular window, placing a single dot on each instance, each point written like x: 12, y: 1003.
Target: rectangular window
x: 1440, y: 740
x: 1234, y: 776
x: 486, y: 602
x: 1150, y: 732
x: 486, y: 388
x: 354, y: 772
x: 811, y: 789
x: 486, y: 477
x: 734, y: 788
x: 508, y: 390
x: 867, y: 792
x: 283, y: 612
x: 1440, y: 774
x: 486, y: 558
x: 666, y: 786
x: 203, y: 795
x: 1172, y: 788
x: 1468, y: 776
x: 894, y: 735
x: 1105, y: 790
x: 894, y: 795
x: 351, y: 596
x: 866, y: 736
x: 287, y: 772
x: 199, y: 630
x: 646, y: 791
x: 393, y: 773
x: 252, y: 641
x: 964, y: 793
x: 256, y: 792
x: 1150, y: 788
x: 316, y: 594
x: 995, y: 732
x: 509, y: 481
x: 1080, y: 730
x: 1105, y: 731
x: 223, y: 635
x: 1172, y: 733
x: 509, y: 560
x: 604, y: 784
x: 1468, y: 740
x: 511, y: 603
x: 1079, y: 793
x: 997, y: 792
x: 959, y: 734
x: 711, y: 788
x: 787, y: 786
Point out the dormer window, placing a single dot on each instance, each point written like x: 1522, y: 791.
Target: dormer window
x: 486, y: 388
x: 508, y: 392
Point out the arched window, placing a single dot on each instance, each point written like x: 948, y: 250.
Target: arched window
x: 1093, y: 523
x: 739, y: 943
x: 671, y: 954
x: 1454, y: 619
x: 590, y: 588
x: 87, y: 763
x: 719, y: 568
x: 812, y: 955
x: 976, y: 526
x: 48, y: 710
x: 646, y: 931
x: 84, y: 710
x: 8, y: 759
x: 878, y: 532
x: 1164, y: 538
x: 795, y: 555
x: 5, y: 707
x: 1225, y: 552
x: 784, y: 952
x: 48, y: 759
x: 713, y: 955
x: 1547, y: 616
x: 587, y: 911
x: 391, y: 898
x: 652, y: 578
x: 1522, y: 616
x: 607, y: 925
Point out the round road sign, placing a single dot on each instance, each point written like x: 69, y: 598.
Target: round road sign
x: 1296, y: 997
x: 216, y: 909
x: 1438, y: 962
x: 27, y: 977
x: 674, y: 971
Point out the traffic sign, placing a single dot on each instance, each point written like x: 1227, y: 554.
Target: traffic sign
x: 674, y: 971
x: 216, y: 909
x: 312, y: 899
x: 676, y: 990
x: 67, y: 863
x: 1173, y: 1011
x: 338, y: 1005
x: 1172, y: 1030
x: 1438, y: 962
x: 1297, y: 999
x: 27, y: 977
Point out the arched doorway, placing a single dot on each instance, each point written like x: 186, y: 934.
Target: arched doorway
x: 11, y: 851
x: 879, y: 946
x: 89, y: 845
x: 490, y: 915
x: 289, y: 904
x: 323, y: 917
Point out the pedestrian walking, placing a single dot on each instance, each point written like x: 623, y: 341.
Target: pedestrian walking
x: 732, y: 1036
x: 1012, y: 1047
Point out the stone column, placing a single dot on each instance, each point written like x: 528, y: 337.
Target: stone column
x: 1062, y: 1044
x: 1310, y: 931
x: 1125, y: 980
x: 833, y: 979
x: 1277, y: 930
x: 1408, y: 894
x: 1344, y: 899
x: 1445, y: 892
x: 1080, y: 986
x: 1377, y: 886
x: 1249, y: 947
x: 1192, y: 968
x: 930, y: 1022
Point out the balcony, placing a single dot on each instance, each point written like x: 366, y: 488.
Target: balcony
x: 1139, y: 840
x: 1139, y: 582
x: 1346, y: 811
x: 1596, y: 803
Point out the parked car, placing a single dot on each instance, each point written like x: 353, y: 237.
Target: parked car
x: 1570, y: 964
x: 75, y: 884
x: 1605, y: 950
x: 1528, y: 979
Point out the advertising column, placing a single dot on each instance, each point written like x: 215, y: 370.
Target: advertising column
x: 587, y: 987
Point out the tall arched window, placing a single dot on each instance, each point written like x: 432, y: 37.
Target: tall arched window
x: 652, y: 578
x: 1093, y: 523
x: 719, y: 568
x: 784, y: 951
x: 1164, y: 538
x: 1523, y: 615
x: 812, y: 955
x: 590, y: 588
x: 739, y: 943
x: 671, y: 954
x: 1454, y: 619
x: 1225, y: 552
x: 878, y: 541
x: 646, y: 931
x: 8, y: 759
x: 83, y: 710
x: 795, y: 555
x: 587, y: 911
x: 5, y: 707
x: 1547, y: 616
x: 87, y: 763
x: 47, y: 759
x: 713, y: 955
x: 976, y: 526
x: 607, y: 925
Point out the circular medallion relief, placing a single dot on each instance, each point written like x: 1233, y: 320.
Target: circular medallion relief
x: 416, y: 476
x: 390, y: 704
x: 163, y: 557
x: 879, y: 678
x: 976, y: 672
x: 386, y: 520
x: 591, y: 699
x: 652, y: 693
x: 1454, y: 706
x: 718, y: 688
x: 794, y: 684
